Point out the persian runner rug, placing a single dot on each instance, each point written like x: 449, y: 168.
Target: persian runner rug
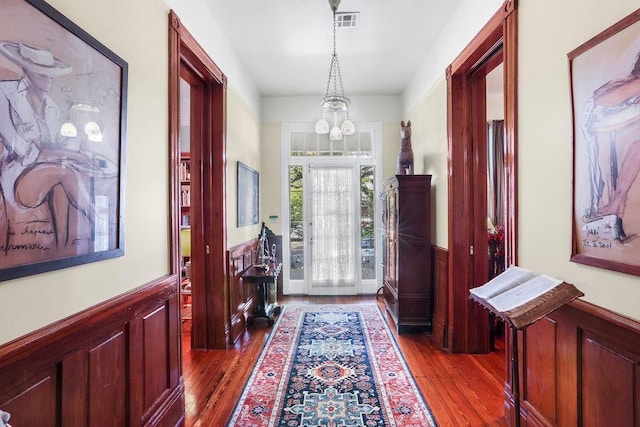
x: 333, y: 366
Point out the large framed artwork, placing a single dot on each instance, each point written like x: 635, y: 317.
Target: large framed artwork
x: 247, y: 195
x: 605, y: 89
x: 62, y: 140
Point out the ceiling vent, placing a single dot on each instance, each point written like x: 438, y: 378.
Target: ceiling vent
x: 347, y: 19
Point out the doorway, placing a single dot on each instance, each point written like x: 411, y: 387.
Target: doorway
x: 468, y: 322
x: 331, y: 240
x: 201, y: 117
x: 331, y: 232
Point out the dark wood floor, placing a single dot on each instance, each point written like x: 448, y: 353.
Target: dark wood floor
x: 460, y: 389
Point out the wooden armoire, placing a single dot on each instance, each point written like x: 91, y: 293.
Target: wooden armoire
x: 408, y: 283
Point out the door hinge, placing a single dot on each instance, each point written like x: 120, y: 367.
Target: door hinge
x: 470, y: 250
x: 206, y: 249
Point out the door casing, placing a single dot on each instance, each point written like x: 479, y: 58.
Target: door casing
x: 467, y: 322
x: 210, y: 311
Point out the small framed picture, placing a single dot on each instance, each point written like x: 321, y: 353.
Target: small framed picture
x: 247, y: 195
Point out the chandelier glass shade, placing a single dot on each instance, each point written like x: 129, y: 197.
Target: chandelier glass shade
x: 335, y: 105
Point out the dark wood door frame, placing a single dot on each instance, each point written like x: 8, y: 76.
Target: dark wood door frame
x: 467, y: 323
x: 208, y: 180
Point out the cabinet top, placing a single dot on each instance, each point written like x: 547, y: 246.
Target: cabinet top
x: 409, y: 179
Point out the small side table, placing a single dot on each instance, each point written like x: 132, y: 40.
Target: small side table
x: 263, y: 277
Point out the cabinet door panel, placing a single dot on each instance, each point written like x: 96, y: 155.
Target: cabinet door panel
x: 407, y: 257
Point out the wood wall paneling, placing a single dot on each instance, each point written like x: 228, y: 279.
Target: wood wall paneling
x: 239, y: 259
x: 117, y: 363
x: 75, y: 388
x: 156, y: 346
x: 539, y: 376
x: 580, y: 367
x: 34, y: 399
x: 607, y: 384
x: 107, y: 397
x: 440, y: 295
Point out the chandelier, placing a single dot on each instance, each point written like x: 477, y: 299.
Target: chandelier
x: 335, y: 104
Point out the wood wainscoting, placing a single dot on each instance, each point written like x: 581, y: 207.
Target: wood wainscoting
x: 117, y: 363
x: 239, y: 259
x: 440, y: 295
x: 580, y: 366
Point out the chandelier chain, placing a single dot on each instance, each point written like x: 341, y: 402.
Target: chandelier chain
x: 335, y: 103
x: 335, y: 73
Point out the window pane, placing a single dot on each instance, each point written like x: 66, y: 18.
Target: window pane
x: 351, y: 144
x: 297, y: 144
x: 367, y: 216
x: 365, y: 144
x: 338, y: 147
x: 324, y: 145
x: 311, y: 143
x: 296, y: 230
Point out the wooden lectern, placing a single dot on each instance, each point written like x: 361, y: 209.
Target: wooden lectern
x: 521, y: 297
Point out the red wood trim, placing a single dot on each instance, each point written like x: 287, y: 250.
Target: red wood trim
x: 608, y: 316
x: 210, y: 307
x: 510, y: 54
x: 459, y: 235
x: 108, y: 311
x: 174, y: 141
x: 487, y: 37
x: 466, y: 323
x: 197, y: 52
x: 217, y: 214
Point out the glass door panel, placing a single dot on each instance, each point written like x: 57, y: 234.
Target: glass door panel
x: 332, y: 238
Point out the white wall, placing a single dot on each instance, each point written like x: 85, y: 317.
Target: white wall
x: 243, y: 144
x: 198, y: 18
x: 545, y: 145
x: 425, y: 101
x: 243, y: 104
x: 35, y: 301
x: 465, y: 24
x: 429, y: 140
x: 307, y: 108
x: 544, y: 136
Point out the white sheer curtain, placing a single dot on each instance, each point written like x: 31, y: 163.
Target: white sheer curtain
x: 332, y: 229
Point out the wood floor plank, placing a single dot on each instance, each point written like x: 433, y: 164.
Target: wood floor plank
x: 460, y: 389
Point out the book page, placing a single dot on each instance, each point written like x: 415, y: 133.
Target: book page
x: 524, y: 293
x: 510, y: 278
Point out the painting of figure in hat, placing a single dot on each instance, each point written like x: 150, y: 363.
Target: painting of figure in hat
x: 606, y: 93
x: 59, y: 141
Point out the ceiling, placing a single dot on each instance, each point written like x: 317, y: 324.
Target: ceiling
x: 286, y: 45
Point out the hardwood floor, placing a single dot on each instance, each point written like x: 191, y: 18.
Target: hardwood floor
x: 460, y: 389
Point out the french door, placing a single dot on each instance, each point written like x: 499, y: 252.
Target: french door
x: 331, y: 223
x: 331, y: 233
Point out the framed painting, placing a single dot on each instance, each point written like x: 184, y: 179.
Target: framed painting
x: 605, y: 92
x: 247, y: 195
x: 62, y: 142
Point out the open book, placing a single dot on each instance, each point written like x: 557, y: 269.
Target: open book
x: 520, y: 297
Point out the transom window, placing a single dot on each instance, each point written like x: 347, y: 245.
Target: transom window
x: 310, y: 144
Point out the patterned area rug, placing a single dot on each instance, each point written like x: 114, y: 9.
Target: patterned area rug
x: 331, y: 365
